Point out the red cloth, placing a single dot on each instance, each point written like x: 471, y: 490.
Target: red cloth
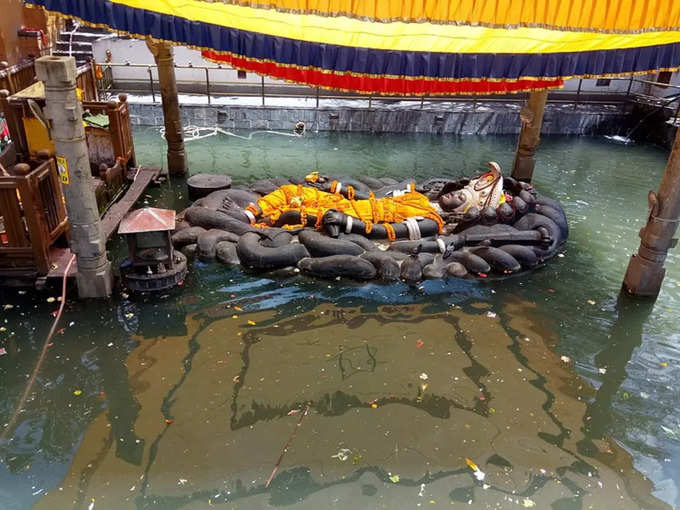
x: 380, y: 85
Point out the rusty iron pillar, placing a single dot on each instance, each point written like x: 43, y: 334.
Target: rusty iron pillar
x: 174, y: 134
x: 645, y: 272
x: 530, y: 136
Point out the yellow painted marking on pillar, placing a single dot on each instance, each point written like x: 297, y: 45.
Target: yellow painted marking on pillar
x: 62, y: 169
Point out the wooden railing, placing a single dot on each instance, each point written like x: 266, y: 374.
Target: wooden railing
x: 18, y: 77
x: 33, y: 217
x: 16, y: 109
x: 119, y: 127
x: 87, y: 82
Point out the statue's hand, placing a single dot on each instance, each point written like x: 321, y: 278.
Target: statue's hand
x: 321, y: 186
x: 333, y: 221
x: 454, y: 243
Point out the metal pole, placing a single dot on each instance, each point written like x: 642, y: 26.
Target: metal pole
x: 645, y: 272
x: 630, y: 84
x: 153, y: 94
x: 207, y: 84
x: 317, y: 97
x: 94, y: 277
x: 578, y: 93
x: 530, y: 136
x: 262, y: 90
x: 174, y: 133
x: 422, y: 101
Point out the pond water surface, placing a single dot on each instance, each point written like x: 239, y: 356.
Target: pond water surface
x: 563, y: 393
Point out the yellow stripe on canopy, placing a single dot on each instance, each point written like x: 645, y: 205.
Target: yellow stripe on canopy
x: 398, y: 36
x: 584, y: 15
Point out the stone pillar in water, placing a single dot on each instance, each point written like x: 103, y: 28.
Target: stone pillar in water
x: 65, y: 112
x: 645, y: 272
x: 530, y: 136
x: 174, y: 133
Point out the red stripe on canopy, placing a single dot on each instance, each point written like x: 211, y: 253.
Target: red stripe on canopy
x: 382, y: 85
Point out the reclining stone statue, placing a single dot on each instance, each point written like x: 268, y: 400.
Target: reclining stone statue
x: 368, y: 227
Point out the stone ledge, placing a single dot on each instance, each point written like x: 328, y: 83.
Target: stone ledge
x: 458, y: 118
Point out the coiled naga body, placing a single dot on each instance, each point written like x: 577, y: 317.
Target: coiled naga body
x: 367, y: 228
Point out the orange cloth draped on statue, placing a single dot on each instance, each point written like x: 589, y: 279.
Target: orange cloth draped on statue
x: 313, y: 202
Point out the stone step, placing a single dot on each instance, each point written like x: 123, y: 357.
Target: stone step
x: 82, y: 36
x: 89, y: 30
x: 73, y: 53
x: 75, y: 46
x: 81, y: 57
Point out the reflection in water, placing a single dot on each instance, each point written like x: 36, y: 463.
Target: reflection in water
x: 398, y: 399
x: 625, y: 337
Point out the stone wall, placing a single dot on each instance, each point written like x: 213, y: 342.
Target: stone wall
x: 654, y: 124
x: 455, y: 118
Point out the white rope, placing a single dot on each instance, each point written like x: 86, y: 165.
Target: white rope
x: 413, y: 229
x: 193, y: 133
x: 251, y: 216
x: 348, y: 227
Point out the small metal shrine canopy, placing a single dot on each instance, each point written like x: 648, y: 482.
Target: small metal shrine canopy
x: 148, y: 219
x: 153, y: 264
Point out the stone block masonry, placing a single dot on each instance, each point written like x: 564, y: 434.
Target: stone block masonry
x: 459, y: 118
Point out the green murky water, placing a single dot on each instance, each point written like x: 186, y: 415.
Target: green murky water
x: 563, y: 394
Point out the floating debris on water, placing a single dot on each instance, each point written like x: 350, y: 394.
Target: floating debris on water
x: 342, y: 455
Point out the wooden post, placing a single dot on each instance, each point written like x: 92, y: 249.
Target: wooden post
x: 37, y: 230
x: 93, y: 78
x: 530, y: 136
x: 174, y: 133
x: 645, y: 272
x: 15, y: 125
x: 262, y: 89
x: 207, y: 84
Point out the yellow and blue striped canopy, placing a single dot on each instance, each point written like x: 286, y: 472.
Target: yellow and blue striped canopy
x: 408, y: 46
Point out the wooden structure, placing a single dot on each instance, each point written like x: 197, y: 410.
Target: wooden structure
x: 32, y: 218
x: 531, y: 116
x: 163, y: 54
x: 111, y: 149
x: 17, y: 77
x: 143, y: 176
x: 118, y: 137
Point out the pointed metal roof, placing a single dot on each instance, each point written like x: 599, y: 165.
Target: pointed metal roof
x: 148, y: 219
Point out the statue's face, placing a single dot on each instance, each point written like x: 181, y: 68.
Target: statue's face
x: 454, y: 200
x: 479, y: 192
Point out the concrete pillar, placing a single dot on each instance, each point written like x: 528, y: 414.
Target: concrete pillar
x: 65, y: 113
x: 645, y: 272
x: 174, y: 134
x: 530, y: 136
